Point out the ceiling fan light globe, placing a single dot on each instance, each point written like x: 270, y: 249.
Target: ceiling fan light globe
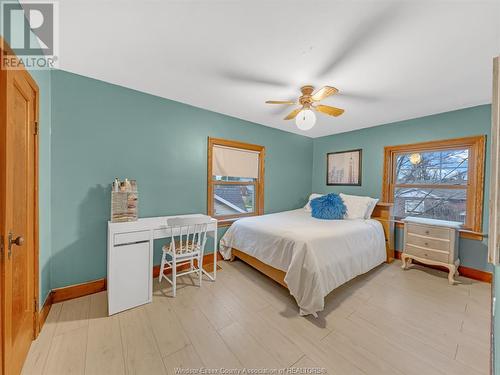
x: 415, y: 158
x: 305, y: 119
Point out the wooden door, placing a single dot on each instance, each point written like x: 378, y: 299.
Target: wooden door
x: 494, y: 230
x: 19, y: 213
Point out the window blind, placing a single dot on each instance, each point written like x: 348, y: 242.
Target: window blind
x: 227, y: 161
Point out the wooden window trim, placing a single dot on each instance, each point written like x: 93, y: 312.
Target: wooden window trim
x: 475, y: 187
x: 259, y: 184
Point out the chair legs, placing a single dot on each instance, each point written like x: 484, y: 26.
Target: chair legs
x: 174, y: 278
x: 165, y: 264
x: 200, y: 268
x: 162, y: 268
x: 172, y: 265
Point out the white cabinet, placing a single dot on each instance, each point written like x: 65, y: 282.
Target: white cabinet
x: 432, y: 242
x: 130, y: 276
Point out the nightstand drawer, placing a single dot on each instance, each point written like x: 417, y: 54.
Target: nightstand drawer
x: 433, y: 243
x: 428, y: 231
x: 430, y: 254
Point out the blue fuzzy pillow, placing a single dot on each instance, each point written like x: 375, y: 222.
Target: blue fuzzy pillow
x: 328, y: 207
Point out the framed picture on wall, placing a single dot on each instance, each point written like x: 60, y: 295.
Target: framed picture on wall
x: 343, y: 168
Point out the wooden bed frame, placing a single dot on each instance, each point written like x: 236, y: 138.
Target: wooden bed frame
x: 382, y: 213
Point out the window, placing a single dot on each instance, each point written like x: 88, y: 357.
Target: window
x: 235, y: 179
x: 438, y: 180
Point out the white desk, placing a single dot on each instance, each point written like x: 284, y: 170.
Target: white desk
x: 130, y: 259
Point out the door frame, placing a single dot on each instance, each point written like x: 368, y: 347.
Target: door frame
x: 5, y: 49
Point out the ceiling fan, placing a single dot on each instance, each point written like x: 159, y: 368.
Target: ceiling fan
x: 304, y: 116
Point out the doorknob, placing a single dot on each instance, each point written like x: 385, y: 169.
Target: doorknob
x: 19, y: 240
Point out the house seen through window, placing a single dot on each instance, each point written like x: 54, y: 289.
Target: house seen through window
x: 233, y: 198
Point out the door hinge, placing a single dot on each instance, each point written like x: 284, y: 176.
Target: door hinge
x: 36, y: 127
x: 1, y: 246
x: 36, y: 304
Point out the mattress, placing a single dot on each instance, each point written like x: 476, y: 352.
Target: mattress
x: 316, y: 255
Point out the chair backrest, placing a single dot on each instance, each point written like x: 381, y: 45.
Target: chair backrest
x: 191, y: 233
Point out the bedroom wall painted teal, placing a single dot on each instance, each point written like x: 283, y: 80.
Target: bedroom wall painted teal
x: 455, y: 124
x: 42, y: 78
x: 101, y: 131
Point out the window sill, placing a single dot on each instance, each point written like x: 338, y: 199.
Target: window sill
x: 228, y: 221
x: 471, y: 235
x: 463, y: 233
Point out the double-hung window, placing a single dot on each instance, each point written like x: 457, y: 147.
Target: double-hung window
x: 438, y: 180
x: 235, y: 179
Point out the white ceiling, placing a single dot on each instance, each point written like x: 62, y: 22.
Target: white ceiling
x: 391, y: 60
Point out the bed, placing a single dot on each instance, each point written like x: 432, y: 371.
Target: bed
x: 311, y: 257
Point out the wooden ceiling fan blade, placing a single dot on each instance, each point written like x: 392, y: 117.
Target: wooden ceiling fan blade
x: 323, y: 93
x: 331, y: 111
x: 287, y: 102
x: 292, y: 114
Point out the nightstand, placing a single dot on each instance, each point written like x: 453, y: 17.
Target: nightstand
x: 433, y: 242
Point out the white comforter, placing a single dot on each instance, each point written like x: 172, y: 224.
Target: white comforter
x: 317, y: 255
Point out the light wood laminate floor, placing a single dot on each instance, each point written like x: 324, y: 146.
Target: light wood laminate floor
x: 387, y: 322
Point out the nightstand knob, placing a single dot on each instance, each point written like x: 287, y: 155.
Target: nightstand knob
x: 426, y: 232
x: 426, y: 244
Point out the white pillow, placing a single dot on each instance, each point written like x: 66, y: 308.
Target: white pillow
x: 307, y: 207
x: 358, y: 207
x: 371, y: 207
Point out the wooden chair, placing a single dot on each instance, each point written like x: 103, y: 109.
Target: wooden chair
x: 187, y: 243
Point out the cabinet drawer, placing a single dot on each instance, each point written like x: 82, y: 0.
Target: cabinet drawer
x: 423, y: 230
x: 433, y: 243
x: 430, y: 254
x: 131, y: 237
